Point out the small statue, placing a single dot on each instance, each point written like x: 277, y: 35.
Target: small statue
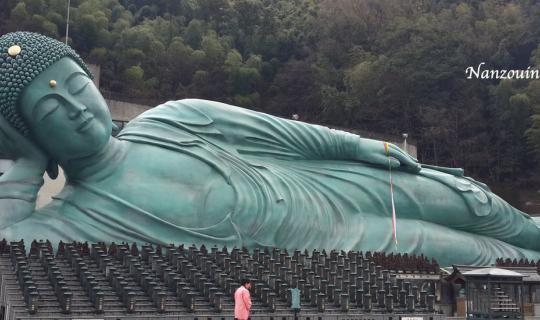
x: 203, y: 172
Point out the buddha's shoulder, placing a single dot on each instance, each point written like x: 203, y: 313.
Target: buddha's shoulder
x: 183, y: 120
x: 196, y: 111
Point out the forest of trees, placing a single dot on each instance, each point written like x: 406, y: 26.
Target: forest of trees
x: 378, y: 65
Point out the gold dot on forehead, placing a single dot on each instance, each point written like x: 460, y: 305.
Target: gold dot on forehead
x: 52, y: 83
x: 14, y: 50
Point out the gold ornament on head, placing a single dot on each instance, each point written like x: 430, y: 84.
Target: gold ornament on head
x: 14, y: 50
x: 52, y: 83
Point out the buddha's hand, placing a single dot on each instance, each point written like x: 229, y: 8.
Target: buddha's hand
x: 384, y: 154
x: 29, y: 159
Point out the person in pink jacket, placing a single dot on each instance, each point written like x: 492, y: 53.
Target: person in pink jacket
x: 242, y: 300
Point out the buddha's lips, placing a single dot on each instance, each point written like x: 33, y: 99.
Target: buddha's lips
x: 85, y: 124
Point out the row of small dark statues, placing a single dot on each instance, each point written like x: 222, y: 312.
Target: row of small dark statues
x: 502, y: 262
x: 395, y: 262
x: 404, y: 262
x: 337, y: 279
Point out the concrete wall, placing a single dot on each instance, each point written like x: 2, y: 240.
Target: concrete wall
x: 410, y: 148
x: 125, y: 111
x: 50, y: 188
x: 96, y: 72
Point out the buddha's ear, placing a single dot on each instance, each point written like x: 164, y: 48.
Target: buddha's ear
x: 52, y: 169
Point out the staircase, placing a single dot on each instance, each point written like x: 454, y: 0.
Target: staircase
x: 501, y: 302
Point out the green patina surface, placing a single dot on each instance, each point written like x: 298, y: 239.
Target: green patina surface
x: 295, y: 298
x: 198, y: 171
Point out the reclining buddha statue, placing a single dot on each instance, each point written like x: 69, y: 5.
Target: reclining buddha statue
x: 203, y: 172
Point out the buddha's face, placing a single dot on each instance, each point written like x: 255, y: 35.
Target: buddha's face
x: 65, y: 112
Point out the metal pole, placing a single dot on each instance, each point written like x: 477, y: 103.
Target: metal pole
x: 405, y: 145
x: 67, y: 21
x: 405, y: 136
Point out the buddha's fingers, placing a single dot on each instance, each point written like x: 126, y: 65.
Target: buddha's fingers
x: 385, y: 161
x: 407, y: 162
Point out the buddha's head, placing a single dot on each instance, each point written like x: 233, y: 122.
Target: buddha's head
x: 47, y: 94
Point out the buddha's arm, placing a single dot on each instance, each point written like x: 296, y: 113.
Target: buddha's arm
x: 18, y: 191
x: 256, y: 133
x: 20, y: 184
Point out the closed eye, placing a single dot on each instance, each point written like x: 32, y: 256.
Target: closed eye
x: 47, y: 111
x: 81, y: 89
x: 77, y: 82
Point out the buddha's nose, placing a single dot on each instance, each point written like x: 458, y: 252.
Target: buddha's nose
x: 76, y: 110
